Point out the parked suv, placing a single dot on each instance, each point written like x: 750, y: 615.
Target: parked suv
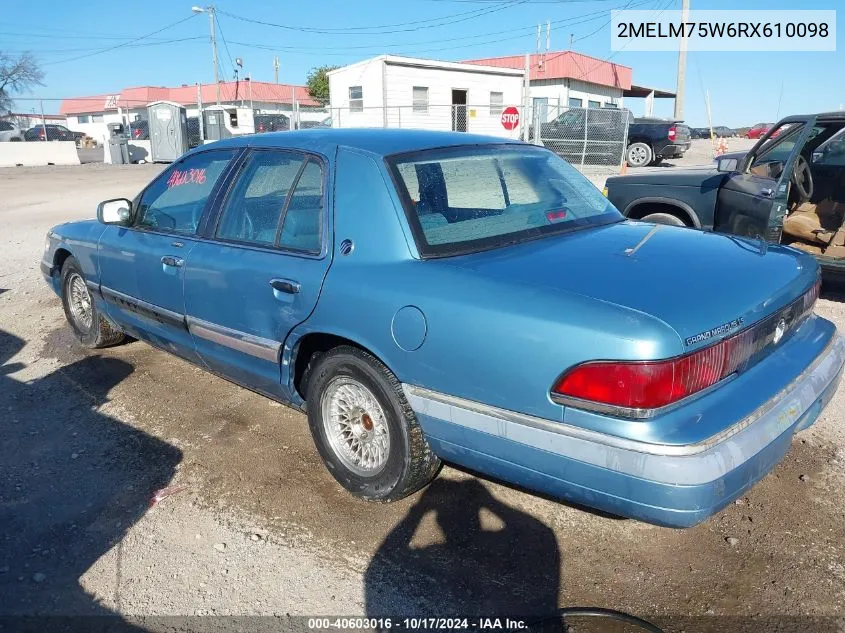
x: 271, y: 123
x: 54, y: 133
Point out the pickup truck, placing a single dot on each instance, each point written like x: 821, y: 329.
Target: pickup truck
x: 598, y: 136
x: 651, y: 140
x: 789, y: 189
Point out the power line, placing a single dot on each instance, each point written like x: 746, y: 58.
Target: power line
x: 116, y: 46
x: 378, y: 49
x: 48, y: 51
x: 226, y: 46
x: 417, y: 25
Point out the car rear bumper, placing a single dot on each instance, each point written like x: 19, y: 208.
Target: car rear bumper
x: 674, y: 149
x: 671, y: 485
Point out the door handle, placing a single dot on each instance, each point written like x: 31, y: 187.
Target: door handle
x: 175, y: 262
x: 767, y: 192
x: 285, y: 285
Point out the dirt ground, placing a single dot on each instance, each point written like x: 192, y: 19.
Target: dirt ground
x: 261, y: 528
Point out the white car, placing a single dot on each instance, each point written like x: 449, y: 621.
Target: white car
x: 10, y: 132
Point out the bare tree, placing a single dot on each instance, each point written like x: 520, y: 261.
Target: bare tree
x: 17, y: 74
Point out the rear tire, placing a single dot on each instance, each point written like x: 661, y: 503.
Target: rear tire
x: 364, y: 428
x: 88, y: 325
x: 663, y: 218
x: 638, y: 155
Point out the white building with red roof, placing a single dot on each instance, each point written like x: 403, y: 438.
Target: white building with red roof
x: 92, y: 114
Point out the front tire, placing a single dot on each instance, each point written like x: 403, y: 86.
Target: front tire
x: 364, y: 428
x: 88, y: 325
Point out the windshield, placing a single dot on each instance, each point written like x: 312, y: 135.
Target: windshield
x: 464, y: 199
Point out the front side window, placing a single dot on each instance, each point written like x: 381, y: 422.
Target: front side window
x: 464, y: 199
x: 174, y: 202
x: 775, y: 151
x: 420, y: 95
x: 356, y: 99
x: 254, y: 207
x: 497, y: 103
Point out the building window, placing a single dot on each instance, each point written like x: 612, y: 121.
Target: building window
x: 420, y: 99
x: 82, y: 118
x: 610, y: 104
x: 594, y: 104
x: 356, y: 99
x: 576, y: 103
x: 497, y: 102
x: 96, y: 118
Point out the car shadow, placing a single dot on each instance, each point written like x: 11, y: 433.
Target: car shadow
x: 467, y: 553
x: 73, y: 482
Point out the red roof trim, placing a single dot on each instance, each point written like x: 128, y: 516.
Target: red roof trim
x: 187, y: 95
x: 566, y: 65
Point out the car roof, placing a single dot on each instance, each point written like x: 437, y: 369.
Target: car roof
x: 376, y: 140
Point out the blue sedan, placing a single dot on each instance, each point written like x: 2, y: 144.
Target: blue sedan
x: 441, y: 296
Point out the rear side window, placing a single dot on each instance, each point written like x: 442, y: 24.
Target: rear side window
x: 174, y: 202
x: 255, y: 206
x: 301, y: 228
x: 463, y: 199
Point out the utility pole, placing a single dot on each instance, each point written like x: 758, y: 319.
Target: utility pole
x: 210, y: 9
x: 525, y: 97
x: 682, y: 64
x: 200, y: 117
x: 276, y: 69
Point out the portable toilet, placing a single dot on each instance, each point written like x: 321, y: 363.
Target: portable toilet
x: 227, y: 121
x: 214, y: 118
x: 168, y: 123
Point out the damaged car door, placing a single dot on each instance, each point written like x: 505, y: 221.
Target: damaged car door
x: 753, y: 199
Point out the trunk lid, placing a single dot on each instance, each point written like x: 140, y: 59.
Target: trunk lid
x: 694, y: 281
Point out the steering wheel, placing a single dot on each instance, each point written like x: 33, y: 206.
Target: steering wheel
x: 802, y: 178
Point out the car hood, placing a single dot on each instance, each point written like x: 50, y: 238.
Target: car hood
x: 694, y: 281
x: 704, y: 176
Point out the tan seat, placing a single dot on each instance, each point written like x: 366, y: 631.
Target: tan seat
x: 815, y: 222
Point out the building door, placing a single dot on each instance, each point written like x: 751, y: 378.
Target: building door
x: 541, y: 109
x: 459, y: 110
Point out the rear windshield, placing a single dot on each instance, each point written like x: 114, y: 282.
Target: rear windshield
x: 465, y: 199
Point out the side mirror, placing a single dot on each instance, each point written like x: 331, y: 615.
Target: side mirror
x: 117, y: 211
x: 726, y: 164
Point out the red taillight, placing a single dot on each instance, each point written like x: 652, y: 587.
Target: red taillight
x: 633, y: 385
x: 651, y: 384
x: 673, y: 133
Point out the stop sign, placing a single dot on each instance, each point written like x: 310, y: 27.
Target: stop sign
x: 510, y: 118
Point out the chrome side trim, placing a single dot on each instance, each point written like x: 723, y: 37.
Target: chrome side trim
x: 265, y: 349
x: 142, y: 307
x: 93, y: 286
x: 832, y: 357
x: 676, y: 465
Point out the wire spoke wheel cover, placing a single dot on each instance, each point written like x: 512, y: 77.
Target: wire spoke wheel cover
x: 355, y: 426
x: 79, y: 302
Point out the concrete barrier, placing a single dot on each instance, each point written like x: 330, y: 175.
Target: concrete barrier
x: 35, y: 153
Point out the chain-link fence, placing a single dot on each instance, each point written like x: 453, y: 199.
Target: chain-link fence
x: 592, y: 139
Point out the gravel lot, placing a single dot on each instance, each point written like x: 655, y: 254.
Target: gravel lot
x: 261, y: 528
